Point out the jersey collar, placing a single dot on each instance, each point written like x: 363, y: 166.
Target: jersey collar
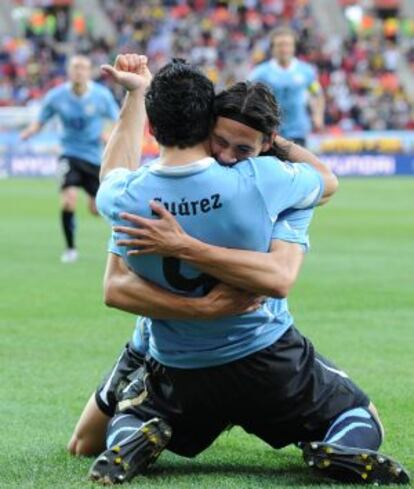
x: 88, y: 90
x: 291, y: 67
x: 195, y: 167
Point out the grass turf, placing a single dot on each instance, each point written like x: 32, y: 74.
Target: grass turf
x: 355, y: 299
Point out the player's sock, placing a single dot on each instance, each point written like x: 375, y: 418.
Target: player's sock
x: 120, y: 428
x: 356, y: 428
x: 68, y: 225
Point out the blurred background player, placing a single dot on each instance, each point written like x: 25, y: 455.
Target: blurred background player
x: 295, y: 85
x: 82, y: 106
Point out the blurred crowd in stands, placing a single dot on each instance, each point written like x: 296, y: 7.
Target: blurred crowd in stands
x: 226, y: 38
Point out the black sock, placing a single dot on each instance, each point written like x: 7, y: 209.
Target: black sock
x: 68, y: 225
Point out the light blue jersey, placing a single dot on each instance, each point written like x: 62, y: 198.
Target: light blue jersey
x: 82, y: 118
x: 234, y: 207
x: 291, y: 87
x: 291, y: 226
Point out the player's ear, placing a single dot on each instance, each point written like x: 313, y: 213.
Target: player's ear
x: 150, y: 129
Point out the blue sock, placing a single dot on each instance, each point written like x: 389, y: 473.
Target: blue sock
x: 120, y: 428
x: 355, y: 428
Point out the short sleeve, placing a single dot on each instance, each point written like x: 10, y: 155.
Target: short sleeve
x: 286, y: 185
x: 112, y: 109
x: 110, y: 193
x: 293, y: 226
x: 113, y: 247
x: 47, y: 110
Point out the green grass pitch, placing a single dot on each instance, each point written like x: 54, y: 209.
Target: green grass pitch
x: 355, y: 299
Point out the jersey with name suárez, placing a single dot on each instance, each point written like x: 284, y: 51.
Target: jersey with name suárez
x: 290, y: 86
x: 82, y: 118
x: 234, y: 207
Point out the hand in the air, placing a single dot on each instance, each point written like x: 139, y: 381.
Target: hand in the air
x: 130, y: 71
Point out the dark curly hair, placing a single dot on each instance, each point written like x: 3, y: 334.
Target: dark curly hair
x: 254, y: 105
x: 179, y: 104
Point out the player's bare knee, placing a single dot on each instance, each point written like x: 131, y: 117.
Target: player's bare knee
x: 83, y: 447
x: 68, y: 199
x: 74, y: 446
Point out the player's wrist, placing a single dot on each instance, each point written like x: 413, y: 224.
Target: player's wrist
x: 136, y: 92
x: 187, y: 248
x: 204, y: 308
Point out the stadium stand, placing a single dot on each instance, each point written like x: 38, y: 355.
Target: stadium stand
x: 360, y: 74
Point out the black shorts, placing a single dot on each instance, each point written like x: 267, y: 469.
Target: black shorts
x: 120, y: 376
x: 283, y: 394
x: 74, y: 172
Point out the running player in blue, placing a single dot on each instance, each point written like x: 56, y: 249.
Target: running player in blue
x: 254, y: 370
x: 82, y: 107
x: 295, y: 86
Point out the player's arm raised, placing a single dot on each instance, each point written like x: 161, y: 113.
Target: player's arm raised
x: 127, y: 291
x: 123, y: 149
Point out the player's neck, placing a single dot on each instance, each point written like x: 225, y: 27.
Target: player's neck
x: 79, y: 89
x: 284, y: 63
x: 178, y: 157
